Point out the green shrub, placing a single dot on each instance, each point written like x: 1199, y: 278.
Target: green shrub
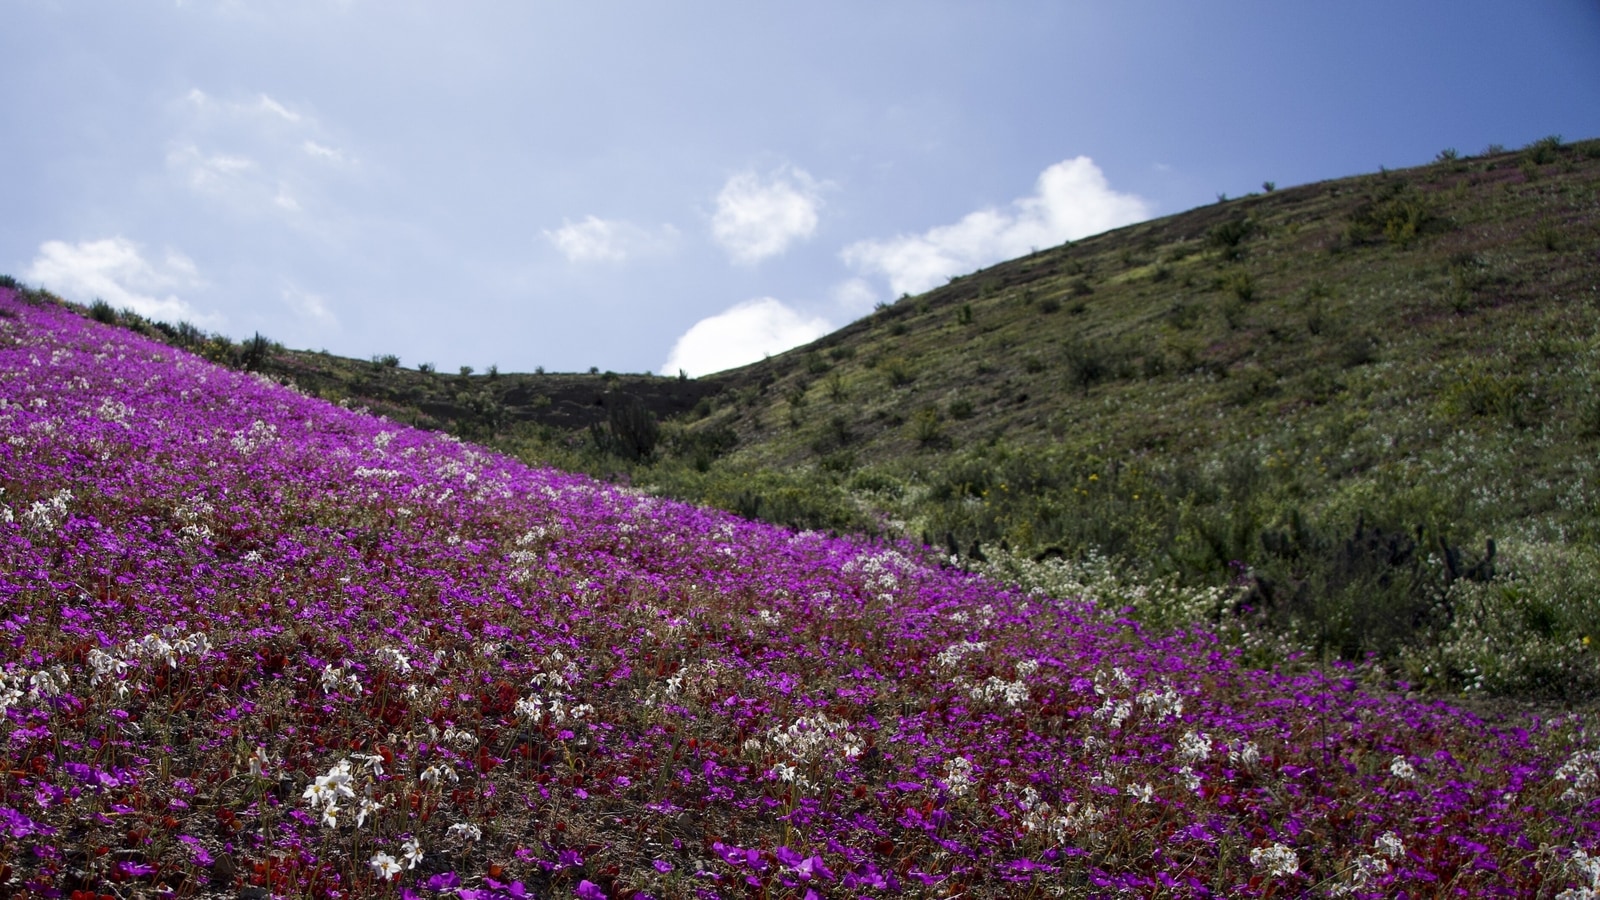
x: 101, y: 311
x: 897, y: 371
x: 1229, y: 237
x: 1544, y: 151
x: 630, y: 430
x: 960, y: 409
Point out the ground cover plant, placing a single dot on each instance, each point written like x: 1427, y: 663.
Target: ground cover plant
x: 258, y: 644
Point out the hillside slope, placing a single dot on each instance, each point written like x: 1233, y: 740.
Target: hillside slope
x: 259, y: 644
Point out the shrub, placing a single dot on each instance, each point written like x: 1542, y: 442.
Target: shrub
x: 1543, y: 151
x: 1229, y: 237
x: 9, y: 283
x: 253, y: 352
x: 465, y: 371
x: 1087, y: 364
x: 960, y: 409
x: 1049, y: 305
x: 425, y: 368
x: 1242, y: 285
x: 630, y: 430
x: 927, y: 427
x: 964, y: 314
x: 1399, y: 218
x: 897, y: 371
x: 101, y: 311
x: 386, y: 360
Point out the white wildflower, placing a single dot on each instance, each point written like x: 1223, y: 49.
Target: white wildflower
x: 1400, y: 768
x: 411, y: 852
x: 1390, y: 845
x: 1277, y: 859
x: 958, y: 775
x: 384, y: 866
x: 1142, y: 793
x: 1194, y: 746
x: 464, y: 831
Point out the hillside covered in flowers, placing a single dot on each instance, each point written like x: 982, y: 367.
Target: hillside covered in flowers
x: 256, y: 644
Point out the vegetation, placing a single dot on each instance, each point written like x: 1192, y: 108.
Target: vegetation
x: 1327, y: 399
x: 261, y: 645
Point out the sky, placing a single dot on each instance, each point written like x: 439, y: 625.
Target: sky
x: 690, y: 186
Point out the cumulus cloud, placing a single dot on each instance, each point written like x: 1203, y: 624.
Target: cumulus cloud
x: 1071, y: 200
x: 740, y: 335
x: 607, y: 240
x: 759, y: 217
x: 114, y: 270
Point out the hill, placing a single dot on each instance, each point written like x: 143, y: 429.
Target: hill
x: 258, y: 644
x: 1370, y: 405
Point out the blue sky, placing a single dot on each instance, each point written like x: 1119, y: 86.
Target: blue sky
x: 649, y: 186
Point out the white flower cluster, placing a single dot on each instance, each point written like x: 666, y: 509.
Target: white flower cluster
x: 1585, y: 868
x: 394, y: 659
x: 6, y: 518
x: 437, y: 775
x: 1246, y: 754
x: 1115, y: 711
x: 952, y: 654
x: 41, y: 685
x: 326, y: 792
x: 1194, y: 746
x: 1402, y: 769
x: 387, y: 868
x: 167, y: 647
x: 995, y: 689
x: 1368, y: 867
x: 464, y: 832
x: 958, y: 775
x: 1074, y: 819
x: 380, y: 474
x: 191, y: 513
x: 880, y: 573
x: 1582, y: 772
x: 259, y: 434
x: 810, y: 738
x: 114, y: 411
x: 1277, y: 859
x: 47, y: 515
x: 1117, y: 679
x: 336, y: 680
x: 1161, y: 704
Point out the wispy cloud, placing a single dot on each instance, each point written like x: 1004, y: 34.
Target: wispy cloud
x: 310, y: 308
x: 276, y: 160
x: 608, y: 240
x: 115, y: 270
x: 1072, y: 199
x: 742, y: 334
x: 759, y: 217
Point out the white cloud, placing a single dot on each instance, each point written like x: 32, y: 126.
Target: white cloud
x: 310, y: 307
x: 743, y: 334
x: 272, y: 107
x: 1072, y: 200
x: 113, y: 270
x: 757, y: 218
x: 608, y: 240
x: 855, y: 297
x: 318, y: 151
x: 277, y: 160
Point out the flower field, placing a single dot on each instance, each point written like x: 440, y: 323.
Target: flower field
x: 259, y: 645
